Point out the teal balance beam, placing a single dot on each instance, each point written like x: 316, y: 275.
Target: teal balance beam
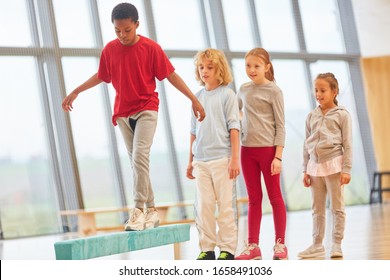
x: 122, y: 242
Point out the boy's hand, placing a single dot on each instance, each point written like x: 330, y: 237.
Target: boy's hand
x: 198, y: 110
x: 68, y: 102
x: 189, y: 172
x: 233, y: 169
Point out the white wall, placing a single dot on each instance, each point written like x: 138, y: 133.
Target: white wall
x: 373, y: 26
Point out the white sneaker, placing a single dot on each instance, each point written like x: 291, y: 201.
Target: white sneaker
x: 314, y: 251
x: 151, y: 218
x: 136, y: 220
x: 336, y: 251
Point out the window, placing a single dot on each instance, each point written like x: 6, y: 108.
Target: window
x: 321, y: 25
x: 277, y: 26
x: 238, y: 26
x: 296, y: 105
x: 27, y: 192
x: 15, y: 30
x: 74, y: 26
x: 180, y: 112
x: 179, y: 27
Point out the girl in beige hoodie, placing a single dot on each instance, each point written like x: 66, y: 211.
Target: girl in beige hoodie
x: 327, y: 155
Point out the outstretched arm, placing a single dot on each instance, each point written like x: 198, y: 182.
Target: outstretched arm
x: 67, y: 103
x: 179, y: 84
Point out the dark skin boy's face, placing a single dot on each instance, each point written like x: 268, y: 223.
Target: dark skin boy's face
x: 125, y: 30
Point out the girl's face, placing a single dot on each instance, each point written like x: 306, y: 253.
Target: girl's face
x: 207, y: 72
x: 256, y: 69
x: 324, y: 94
x: 125, y: 30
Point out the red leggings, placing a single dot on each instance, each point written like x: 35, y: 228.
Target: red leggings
x: 254, y: 161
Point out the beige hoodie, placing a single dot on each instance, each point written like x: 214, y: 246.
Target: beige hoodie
x: 328, y: 136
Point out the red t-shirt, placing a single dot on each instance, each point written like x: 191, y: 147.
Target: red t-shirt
x: 133, y: 70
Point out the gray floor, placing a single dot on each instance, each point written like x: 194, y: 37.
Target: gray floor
x: 367, y: 236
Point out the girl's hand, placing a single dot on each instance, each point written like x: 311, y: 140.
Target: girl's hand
x: 345, y: 178
x: 189, y: 171
x: 306, y: 180
x: 276, y: 167
x: 233, y: 169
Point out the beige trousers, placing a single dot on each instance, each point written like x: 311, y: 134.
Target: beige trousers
x: 215, y: 191
x: 138, y: 132
x: 321, y: 187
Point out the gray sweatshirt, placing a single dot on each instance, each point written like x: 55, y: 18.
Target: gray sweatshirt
x: 328, y: 136
x: 263, y: 118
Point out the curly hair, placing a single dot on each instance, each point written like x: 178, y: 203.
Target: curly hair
x: 218, y: 58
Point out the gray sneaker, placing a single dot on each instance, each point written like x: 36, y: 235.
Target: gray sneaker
x: 314, y: 251
x: 336, y: 251
x: 136, y: 221
x: 151, y: 218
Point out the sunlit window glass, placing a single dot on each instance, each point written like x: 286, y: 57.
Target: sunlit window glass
x: 321, y: 26
x: 27, y: 192
x: 178, y: 24
x: 15, y: 30
x: 296, y: 107
x: 238, y: 27
x: 161, y: 165
x: 180, y: 111
x: 276, y: 24
x: 90, y: 134
x: 74, y: 26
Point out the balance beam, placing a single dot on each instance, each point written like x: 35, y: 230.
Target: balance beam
x: 122, y: 242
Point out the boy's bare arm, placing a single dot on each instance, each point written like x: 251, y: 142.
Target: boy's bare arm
x: 68, y: 100
x: 180, y: 85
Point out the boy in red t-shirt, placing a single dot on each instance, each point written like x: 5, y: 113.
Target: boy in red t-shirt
x: 132, y: 63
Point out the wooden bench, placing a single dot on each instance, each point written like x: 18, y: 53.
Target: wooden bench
x: 377, y: 186
x: 122, y: 242
x: 86, y: 218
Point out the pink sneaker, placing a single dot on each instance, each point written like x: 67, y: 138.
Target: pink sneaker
x: 280, y: 251
x: 251, y: 252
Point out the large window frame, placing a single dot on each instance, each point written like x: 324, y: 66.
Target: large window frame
x: 48, y: 54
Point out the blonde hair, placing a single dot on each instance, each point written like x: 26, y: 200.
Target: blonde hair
x: 218, y: 59
x: 264, y: 56
x: 332, y: 81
